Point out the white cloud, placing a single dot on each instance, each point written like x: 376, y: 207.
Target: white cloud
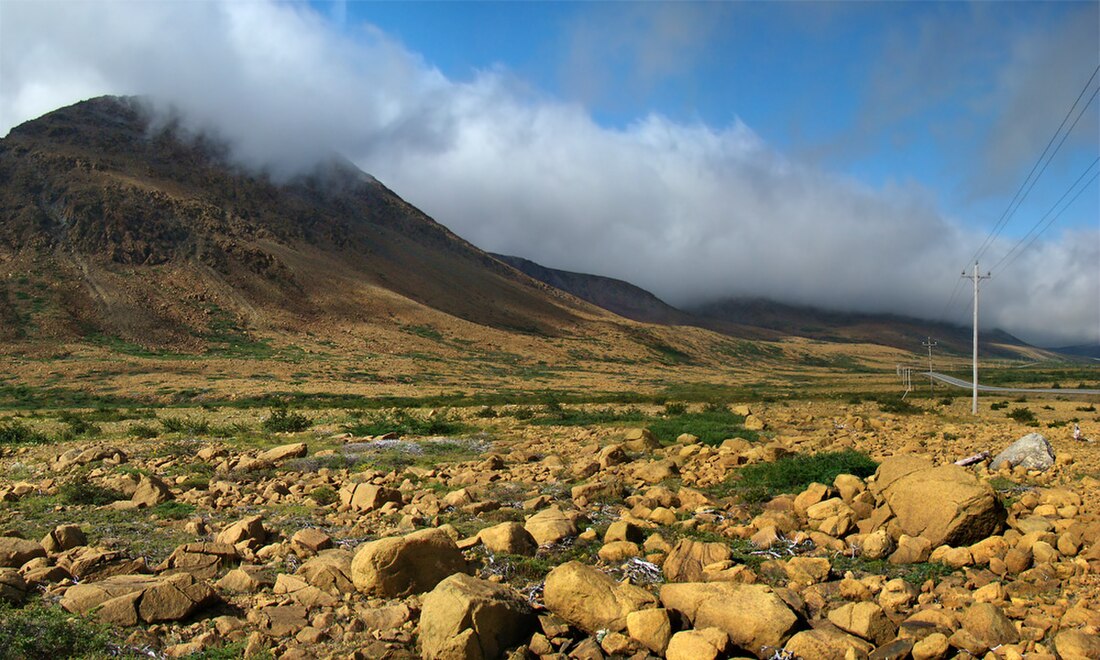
x: 690, y: 212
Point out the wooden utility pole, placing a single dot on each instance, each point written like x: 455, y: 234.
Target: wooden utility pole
x: 930, y: 344
x: 976, y: 278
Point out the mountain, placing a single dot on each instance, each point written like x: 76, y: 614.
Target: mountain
x: 117, y: 221
x: 758, y: 318
x: 1091, y: 351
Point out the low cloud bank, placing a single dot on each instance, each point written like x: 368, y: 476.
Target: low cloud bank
x: 688, y: 211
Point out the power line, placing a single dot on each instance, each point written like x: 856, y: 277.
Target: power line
x: 1013, y: 205
x: 1049, y: 222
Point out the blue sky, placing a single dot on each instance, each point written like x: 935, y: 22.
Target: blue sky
x: 812, y: 79
x: 853, y: 155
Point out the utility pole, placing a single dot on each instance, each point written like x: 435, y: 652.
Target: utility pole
x: 930, y: 344
x: 976, y: 278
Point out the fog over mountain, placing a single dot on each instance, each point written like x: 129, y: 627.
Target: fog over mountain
x: 688, y: 211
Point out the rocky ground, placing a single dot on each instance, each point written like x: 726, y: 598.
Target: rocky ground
x: 511, y: 539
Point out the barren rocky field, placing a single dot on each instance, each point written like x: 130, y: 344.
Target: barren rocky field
x: 769, y: 529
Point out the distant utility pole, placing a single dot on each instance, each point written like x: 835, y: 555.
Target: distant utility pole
x: 930, y: 344
x: 976, y: 278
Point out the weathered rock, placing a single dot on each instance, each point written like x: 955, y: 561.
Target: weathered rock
x: 90, y: 564
x: 367, y: 497
x: 280, y: 620
x: 403, y: 565
x: 330, y: 570
x: 686, y: 561
x: 202, y: 560
x: 947, y: 505
x: 464, y: 617
x: 151, y: 491
x: 14, y: 552
x: 752, y: 615
x: 13, y: 588
x: 248, y: 530
x: 310, y: 540
x: 591, y: 600
x: 866, y: 620
x: 64, y: 537
x: 246, y: 579
x: 1032, y: 452
x: 827, y: 643
x: 128, y: 599
x: 1077, y: 645
x: 550, y: 526
x: 508, y: 538
x: 388, y: 617
x: 704, y: 644
x: 640, y: 440
x: 651, y: 627
x: 284, y: 452
x: 623, y: 530
x: 989, y: 625
x: 656, y: 471
x: 933, y: 647
x: 807, y: 570
x: 303, y: 592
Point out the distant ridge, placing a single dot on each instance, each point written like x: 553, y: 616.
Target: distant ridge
x: 760, y: 318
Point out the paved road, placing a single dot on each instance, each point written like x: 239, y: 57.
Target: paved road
x: 958, y: 382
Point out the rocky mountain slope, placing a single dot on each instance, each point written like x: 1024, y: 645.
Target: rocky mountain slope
x: 119, y: 222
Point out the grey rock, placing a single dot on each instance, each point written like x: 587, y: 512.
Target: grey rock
x: 1033, y: 452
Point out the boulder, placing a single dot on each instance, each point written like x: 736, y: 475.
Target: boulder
x: 652, y: 628
x: 330, y: 571
x: 550, y: 526
x: 753, y: 615
x: 827, y: 643
x: 656, y: 471
x: 704, y: 644
x: 508, y: 538
x: 89, y: 564
x: 1032, y: 452
x: 246, y: 579
x: 130, y: 599
x: 202, y: 560
x: 464, y: 617
x: 284, y: 452
x: 248, y: 530
x: 13, y: 588
x: 366, y: 497
x: 302, y: 592
x: 946, y: 505
x: 987, y: 624
x: 686, y: 561
x: 590, y: 599
x: 14, y: 551
x: 64, y: 537
x: 1076, y: 645
x: 403, y: 565
x: 640, y: 440
x: 150, y: 492
x: 866, y: 620
x: 310, y: 541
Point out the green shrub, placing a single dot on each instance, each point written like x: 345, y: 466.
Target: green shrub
x: 81, y: 491
x: 324, y: 495
x: 144, y: 431
x: 710, y: 426
x: 792, y: 474
x: 173, y: 510
x: 38, y: 631
x: 675, y: 409
x: 487, y: 412
x: 998, y: 405
x: 15, y: 432
x: 897, y: 405
x: 1022, y: 415
x: 283, y: 421
x: 77, y: 425
x: 403, y: 423
x: 946, y: 401
x: 185, y: 425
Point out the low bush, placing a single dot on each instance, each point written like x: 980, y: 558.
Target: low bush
x: 185, y: 425
x: 760, y: 482
x: 144, y: 431
x: 15, y: 433
x: 324, y: 495
x: 403, y: 423
x: 80, y: 491
x: 38, y: 631
x: 897, y: 405
x: 283, y: 421
x: 1022, y: 415
x: 710, y: 426
x: 173, y: 510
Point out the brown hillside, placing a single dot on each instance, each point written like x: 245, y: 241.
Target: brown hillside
x: 113, y: 223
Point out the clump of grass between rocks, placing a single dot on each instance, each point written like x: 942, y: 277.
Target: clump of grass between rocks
x: 792, y: 474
